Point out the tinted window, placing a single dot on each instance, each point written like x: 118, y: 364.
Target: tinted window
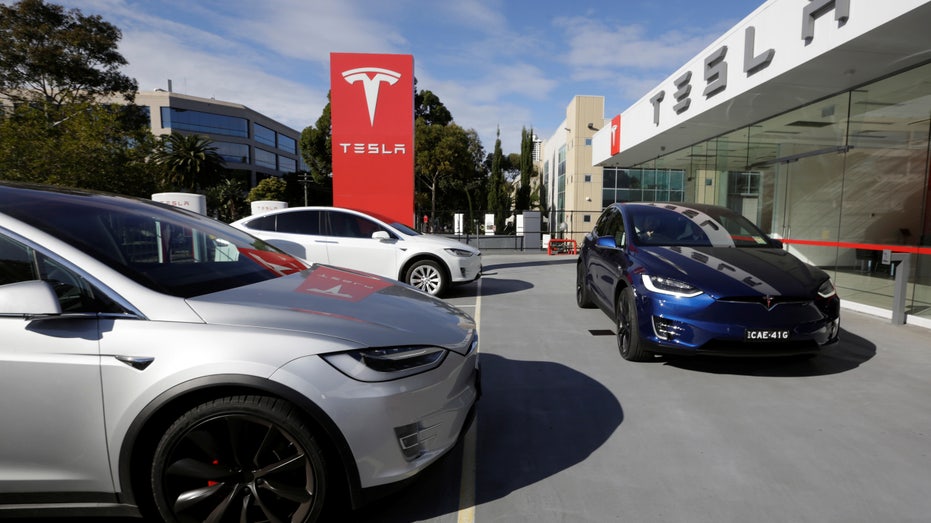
x: 161, y: 247
x: 265, y: 223
x: 232, y: 152
x: 16, y: 263
x: 611, y: 224
x: 200, y: 122
x: 264, y: 158
x: 264, y: 135
x: 299, y: 222
x: 20, y: 263
x: 352, y: 226
x: 287, y: 144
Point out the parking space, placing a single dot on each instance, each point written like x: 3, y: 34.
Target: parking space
x: 569, y: 431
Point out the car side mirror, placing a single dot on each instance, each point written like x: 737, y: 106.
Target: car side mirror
x: 381, y: 236
x: 28, y: 298
x: 606, y: 241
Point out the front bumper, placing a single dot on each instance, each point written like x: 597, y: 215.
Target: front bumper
x: 394, y: 429
x: 465, y: 270
x: 704, y: 326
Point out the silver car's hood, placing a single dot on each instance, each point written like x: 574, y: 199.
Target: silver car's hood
x: 327, y: 301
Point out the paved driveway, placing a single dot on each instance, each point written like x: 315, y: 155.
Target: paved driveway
x: 569, y: 431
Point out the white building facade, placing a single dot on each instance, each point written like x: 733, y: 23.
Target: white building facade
x: 811, y: 117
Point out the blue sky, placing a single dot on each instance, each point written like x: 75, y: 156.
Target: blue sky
x: 493, y: 63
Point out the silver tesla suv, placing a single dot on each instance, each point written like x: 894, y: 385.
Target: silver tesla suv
x: 156, y: 362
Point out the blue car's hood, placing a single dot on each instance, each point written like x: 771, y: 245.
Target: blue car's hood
x: 732, y: 272
x: 327, y: 301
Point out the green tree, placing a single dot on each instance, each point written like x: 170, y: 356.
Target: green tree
x: 271, y: 188
x: 51, y: 57
x: 190, y: 161
x: 58, y: 70
x: 429, y: 108
x: 92, y: 146
x: 468, y: 189
x: 522, y: 198
x: 317, y: 146
x: 442, y: 154
x: 499, y: 196
x: 227, y: 199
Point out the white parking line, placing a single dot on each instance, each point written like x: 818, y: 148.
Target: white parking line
x: 467, y: 479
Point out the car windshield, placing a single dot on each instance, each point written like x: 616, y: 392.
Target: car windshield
x: 405, y: 229
x: 707, y: 227
x: 164, y: 248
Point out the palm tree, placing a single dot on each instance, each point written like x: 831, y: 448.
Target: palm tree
x: 227, y: 198
x: 187, y: 159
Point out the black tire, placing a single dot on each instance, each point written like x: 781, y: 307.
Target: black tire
x: 241, y: 458
x: 628, y: 332
x: 428, y: 276
x: 582, y: 298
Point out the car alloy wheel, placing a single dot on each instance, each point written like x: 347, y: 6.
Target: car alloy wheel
x: 628, y: 334
x: 243, y: 458
x: 428, y: 276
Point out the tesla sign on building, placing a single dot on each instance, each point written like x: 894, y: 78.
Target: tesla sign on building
x: 372, y: 112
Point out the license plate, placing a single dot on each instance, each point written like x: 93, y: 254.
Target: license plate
x: 767, y: 335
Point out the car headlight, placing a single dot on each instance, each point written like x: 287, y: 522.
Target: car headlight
x: 462, y: 253
x: 826, y: 290
x: 670, y: 286
x: 387, y: 363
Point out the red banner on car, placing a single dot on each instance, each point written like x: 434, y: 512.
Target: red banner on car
x: 372, y: 111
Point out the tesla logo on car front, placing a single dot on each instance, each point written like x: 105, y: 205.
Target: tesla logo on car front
x: 371, y: 78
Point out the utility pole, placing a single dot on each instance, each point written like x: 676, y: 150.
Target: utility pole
x: 304, y: 179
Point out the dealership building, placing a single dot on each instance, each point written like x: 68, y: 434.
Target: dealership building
x: 810, y: 117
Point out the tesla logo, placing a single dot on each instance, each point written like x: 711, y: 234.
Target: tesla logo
x: 371, y: 78
x: 616, y: 134
x: 769, y: 302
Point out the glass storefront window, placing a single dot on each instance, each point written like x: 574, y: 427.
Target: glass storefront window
x: 847, y: 171
x: 630, y: 185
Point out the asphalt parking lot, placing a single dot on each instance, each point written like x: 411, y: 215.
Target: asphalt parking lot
x: 567, y: 431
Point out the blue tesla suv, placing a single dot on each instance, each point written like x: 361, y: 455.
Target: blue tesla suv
x: 700, y: 279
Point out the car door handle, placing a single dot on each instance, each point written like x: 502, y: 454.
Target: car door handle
x: 136, y: 362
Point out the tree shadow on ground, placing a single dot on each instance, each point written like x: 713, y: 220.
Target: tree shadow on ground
x: 535, y: 419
